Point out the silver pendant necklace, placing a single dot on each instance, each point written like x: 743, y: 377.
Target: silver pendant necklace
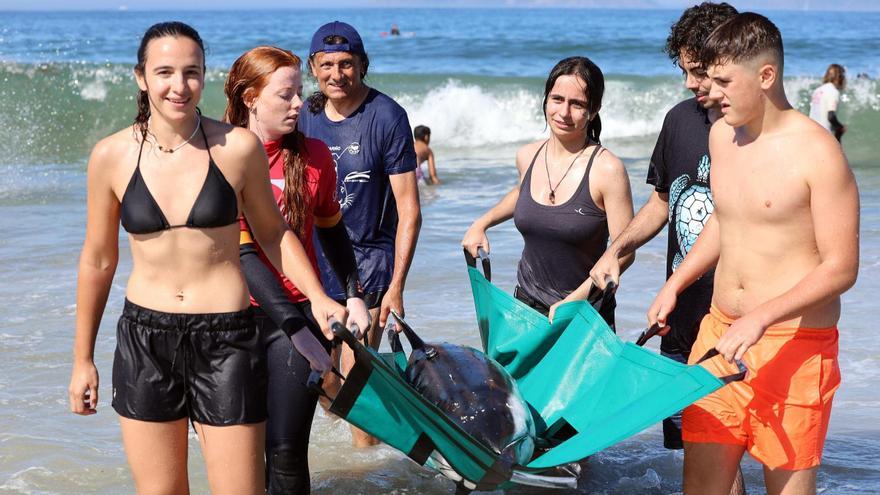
x: 181, y: 145
x: 552, y: 196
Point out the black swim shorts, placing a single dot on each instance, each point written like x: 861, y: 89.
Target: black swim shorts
x: 208, y: 367
x: 372, y: 300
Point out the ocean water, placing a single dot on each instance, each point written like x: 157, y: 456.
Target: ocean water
x: 475, y: 77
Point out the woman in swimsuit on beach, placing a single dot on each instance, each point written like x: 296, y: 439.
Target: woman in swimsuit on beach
x: 187, y: 346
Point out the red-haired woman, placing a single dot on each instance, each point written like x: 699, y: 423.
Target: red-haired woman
x: 264, y: 94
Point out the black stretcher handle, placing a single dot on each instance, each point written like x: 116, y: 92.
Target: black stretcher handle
x: 600, y: 298
x: 656, y: 327
x: 315, y: 381
x: 729, y: 378
x: 648, y: 333
x: 484, y: 259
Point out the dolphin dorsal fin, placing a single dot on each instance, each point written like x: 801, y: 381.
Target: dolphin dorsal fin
x: 414, y: 340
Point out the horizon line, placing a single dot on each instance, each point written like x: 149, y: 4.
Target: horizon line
x: 125, y: 8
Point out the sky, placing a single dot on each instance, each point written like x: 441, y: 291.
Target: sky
x: 845, y: 5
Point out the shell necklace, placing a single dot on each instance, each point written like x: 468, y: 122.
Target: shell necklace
x: 552, y: 196
x: 181, y: 145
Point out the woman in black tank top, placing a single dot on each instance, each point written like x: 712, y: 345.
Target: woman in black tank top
x: 187, y: 347
x: 573, y: 195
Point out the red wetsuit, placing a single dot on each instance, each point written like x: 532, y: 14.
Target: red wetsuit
x: 321, y: 183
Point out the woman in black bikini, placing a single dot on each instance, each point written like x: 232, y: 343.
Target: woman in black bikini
x: 187, y: 347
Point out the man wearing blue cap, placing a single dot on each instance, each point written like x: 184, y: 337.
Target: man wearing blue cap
x: 372, y: 145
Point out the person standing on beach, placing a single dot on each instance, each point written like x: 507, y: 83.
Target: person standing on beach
x: 187, y: 346
x: 784, y: 243
x: 264, y: 95
x: 572, y: 195
x: 369, y: 136
x: 823, y: 104
x: 424, y: 153
x: 679, y: 172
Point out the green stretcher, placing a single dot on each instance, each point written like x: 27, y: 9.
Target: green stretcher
x: 586, y: 388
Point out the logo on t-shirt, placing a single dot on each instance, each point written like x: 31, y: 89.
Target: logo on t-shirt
x: 337, y: 151
x: 690, y: 206
x: 345, y: 198
x: 358, y: 176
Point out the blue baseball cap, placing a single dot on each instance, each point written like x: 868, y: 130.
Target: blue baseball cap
x: 337, y: 28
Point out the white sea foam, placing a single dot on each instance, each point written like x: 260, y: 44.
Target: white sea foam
x: 19, y: 482
x: 632, y: 109
x: 472, y: 115
x: 95, y: 91
x: 467, y: 115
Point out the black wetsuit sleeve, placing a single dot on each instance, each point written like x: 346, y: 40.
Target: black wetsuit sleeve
x: 267, y: 290
x: 340, y: 254
x: 832, y: 119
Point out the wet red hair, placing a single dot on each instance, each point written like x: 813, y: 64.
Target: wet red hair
x: 248, y: 76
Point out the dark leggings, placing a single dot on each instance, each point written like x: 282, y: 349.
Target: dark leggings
x: 290, y: 405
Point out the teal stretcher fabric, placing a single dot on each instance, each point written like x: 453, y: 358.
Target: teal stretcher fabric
x: 587, y: 389
x: 581, y: 380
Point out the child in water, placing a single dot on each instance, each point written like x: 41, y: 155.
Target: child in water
x: 422, y: 137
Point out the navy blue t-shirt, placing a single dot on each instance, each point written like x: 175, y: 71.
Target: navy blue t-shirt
x: 368, y: 146
x: 680, y: 166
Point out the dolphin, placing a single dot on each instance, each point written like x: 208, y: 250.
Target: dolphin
x: 475, y: 392
x: 472, y: 390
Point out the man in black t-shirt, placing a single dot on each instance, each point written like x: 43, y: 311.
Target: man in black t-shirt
x: 679, y: 172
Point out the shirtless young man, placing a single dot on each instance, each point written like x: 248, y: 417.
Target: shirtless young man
x: 784, y: 237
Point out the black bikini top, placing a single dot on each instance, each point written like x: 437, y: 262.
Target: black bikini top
x: 215, y: 206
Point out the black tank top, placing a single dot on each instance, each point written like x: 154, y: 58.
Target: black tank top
x: 215, y: 206
x: 562, y: 242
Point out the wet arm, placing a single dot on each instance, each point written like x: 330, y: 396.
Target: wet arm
x: 99, y: 257
x: 409, y: 214
x: 617, y: 199
x: 502, y: 211
x: 612, y: 181
x: 97, y: 265
x: 702, y: 257
x: 647, y: 223
x: 645, y: 226
x: 432, y: 169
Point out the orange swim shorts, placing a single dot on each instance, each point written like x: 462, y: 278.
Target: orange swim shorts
x: 780, y: 412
